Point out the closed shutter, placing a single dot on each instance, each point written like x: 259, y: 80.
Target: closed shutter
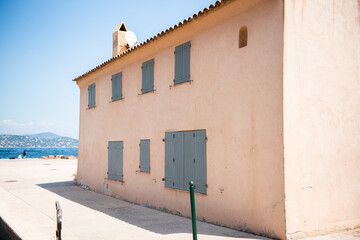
x: 185, y: 160
x: 147, y: 76
x: 145, y: 155
x: 115, y: 160
x: 195, y: 159
x: 91, y: 95
x: 182, y: 63
x: 116, y: 82
x: 174, y: 167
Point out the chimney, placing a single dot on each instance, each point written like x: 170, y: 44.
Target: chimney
x: 120, y: 44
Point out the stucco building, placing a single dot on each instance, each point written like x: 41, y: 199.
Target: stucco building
x: 257, y: 101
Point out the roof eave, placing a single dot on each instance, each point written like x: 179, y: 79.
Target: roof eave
x: 153, y: 38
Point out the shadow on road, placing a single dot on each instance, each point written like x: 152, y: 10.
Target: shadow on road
x: 140, y: 216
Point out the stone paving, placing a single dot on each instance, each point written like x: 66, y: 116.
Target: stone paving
x: 30, y: 187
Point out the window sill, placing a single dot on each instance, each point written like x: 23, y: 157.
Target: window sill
x: 116, y: 100
x: 114, y: 180
x: 181, y: 83
x: 139, y: 171
x: 184, y: 191
x: 151, y: 91
x: 88, y: 108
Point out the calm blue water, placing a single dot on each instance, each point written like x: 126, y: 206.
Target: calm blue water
x: 6, y: 153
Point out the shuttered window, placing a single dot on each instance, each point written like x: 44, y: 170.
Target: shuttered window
x: 174, y: 160
x: 116, y: 82
x: 91, y: 95
x: 182, y: 63
x: 195, y: 159
x: 185, y: 160
x: 115, y: 160
x: 147, y: 76
x: 144, y: 155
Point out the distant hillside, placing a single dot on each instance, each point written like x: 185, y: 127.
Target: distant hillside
x: 50, y: 140
x: 44, y: 135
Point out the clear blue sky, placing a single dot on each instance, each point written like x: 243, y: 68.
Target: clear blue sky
x: 45, y: 44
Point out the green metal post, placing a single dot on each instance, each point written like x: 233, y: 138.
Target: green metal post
x: 193, y: 212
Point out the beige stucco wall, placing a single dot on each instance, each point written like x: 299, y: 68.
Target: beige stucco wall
x: 236, y: 95
x: 321, y: 116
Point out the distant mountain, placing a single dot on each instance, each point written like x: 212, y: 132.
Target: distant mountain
x: 50, y: 140
x: 44, y: 135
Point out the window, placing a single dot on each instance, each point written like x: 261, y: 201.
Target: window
x: 91, y: 94
x: 243, y: 36
x: 144, y: 156
x: 182, y: 63
x: 185, y: 160
x: 116, y: 82
x: 147, y: 76
x: 115, y: 160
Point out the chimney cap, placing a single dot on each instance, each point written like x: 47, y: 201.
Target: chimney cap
x: 121, y: 27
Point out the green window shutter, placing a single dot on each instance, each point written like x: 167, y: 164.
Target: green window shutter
x: 174, y: 165
x: 91, y: 95
x: 116, y: 82
x: 182, y: 63
x: 147, y: 76
x: 115, y: 160
x: 145, y: 155
x: 195, y: 159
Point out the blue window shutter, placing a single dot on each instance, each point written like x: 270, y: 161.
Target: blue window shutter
x: 185, y: 160
x: 195, y: 159
x: 189, y: 155
x: 145, y: 155
x: 115, y: 160
x: 169, y: 155
x: 174, y: 166
x: 116, y: 82
x: 147, y: 76
x: 113, y: 87
x: 119, y: 87
x: 91, y: 95
x: 182, y: 63
x: 178, y: 164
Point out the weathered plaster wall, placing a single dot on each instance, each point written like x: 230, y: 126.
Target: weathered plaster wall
x: 321, y: 115
x: 236, y: 95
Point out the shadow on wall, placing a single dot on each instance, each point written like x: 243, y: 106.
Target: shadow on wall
x: 140, y: 216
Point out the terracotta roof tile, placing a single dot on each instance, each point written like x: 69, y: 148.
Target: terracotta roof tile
x: 162, y: 33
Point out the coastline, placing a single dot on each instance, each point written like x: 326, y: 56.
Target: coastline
x: 50, y: 153
x: 58, y: 157
x: 1, y: 147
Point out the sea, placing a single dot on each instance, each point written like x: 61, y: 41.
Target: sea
x: 6, y: 153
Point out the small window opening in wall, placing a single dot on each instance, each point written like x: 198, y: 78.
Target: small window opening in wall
x: 243, y: 36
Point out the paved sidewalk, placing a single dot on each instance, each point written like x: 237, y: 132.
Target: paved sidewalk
x: 29, y: 189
